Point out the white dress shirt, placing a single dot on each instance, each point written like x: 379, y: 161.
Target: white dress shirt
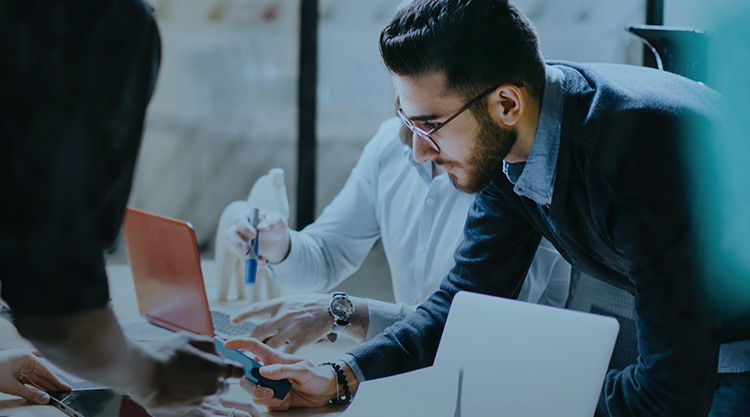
x: 420, y: 219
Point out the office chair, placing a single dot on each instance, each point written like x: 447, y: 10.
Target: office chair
x: 591, y: 295
x: 679, y: 50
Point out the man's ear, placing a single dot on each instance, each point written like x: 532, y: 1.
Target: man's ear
x: 506, y: 104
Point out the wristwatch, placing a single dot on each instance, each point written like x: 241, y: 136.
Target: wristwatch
x: 342, y: 310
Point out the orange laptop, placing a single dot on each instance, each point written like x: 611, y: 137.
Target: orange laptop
x: 168, y: 280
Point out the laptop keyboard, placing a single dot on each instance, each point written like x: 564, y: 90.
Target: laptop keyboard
x: 222, y: 325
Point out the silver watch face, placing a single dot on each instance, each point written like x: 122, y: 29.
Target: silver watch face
x: 342, y: 308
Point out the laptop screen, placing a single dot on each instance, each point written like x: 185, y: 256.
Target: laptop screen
x: 523, y: 359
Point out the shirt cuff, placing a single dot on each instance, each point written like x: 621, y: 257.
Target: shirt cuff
x: 352, y: 362
x: 383, y: 314
x: 287, y: 273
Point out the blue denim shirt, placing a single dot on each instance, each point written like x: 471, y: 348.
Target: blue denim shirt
x: 535, y: 178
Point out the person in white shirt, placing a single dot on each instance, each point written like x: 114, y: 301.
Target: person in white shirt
x: 419, y: 216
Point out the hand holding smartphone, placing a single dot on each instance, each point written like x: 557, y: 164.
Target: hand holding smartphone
x: 280, y: 387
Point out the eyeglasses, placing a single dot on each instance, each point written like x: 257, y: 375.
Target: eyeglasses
x: 428, y: 135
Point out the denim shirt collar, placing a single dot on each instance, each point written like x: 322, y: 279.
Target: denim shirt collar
x: 535, y: 178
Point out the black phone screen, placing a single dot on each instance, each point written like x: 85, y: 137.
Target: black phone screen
x: 100, y: 403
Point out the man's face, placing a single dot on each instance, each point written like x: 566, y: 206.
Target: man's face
x: 471, y: 146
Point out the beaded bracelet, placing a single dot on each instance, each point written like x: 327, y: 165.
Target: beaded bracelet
x: 340, y: 378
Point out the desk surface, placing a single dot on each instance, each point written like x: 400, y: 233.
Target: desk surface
x: 125, y: 306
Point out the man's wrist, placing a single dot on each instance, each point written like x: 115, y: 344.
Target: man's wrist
x: 283, y: 252
x: 343, y: 383
x: 350, y: 377
x: 333, y: 387
x: 360, y: 321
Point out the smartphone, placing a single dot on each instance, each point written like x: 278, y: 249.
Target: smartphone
x: 100, y: 402
x: 280, y: 387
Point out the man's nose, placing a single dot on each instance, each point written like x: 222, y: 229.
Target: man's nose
x: 422, y: 149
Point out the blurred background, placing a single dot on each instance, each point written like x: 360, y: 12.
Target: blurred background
x: 226, y: 105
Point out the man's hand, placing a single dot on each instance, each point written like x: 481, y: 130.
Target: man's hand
x: 297, y: 320
x: 23, y: 375
x: 186, y: 369
x: 182, y: 371
x: 312, y: 386
x: 274, y: 236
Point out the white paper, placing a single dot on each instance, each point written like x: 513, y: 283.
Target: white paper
x: 425, y: 392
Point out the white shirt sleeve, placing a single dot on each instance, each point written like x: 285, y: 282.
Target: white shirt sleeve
x: 548, y: 279
x: 333, y: 247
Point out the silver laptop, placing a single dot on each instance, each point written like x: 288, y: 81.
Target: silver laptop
x: 521, y: 359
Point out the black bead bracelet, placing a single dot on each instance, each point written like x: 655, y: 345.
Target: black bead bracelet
x: 340, y: 380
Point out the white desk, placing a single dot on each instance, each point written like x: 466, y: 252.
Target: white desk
x: 126, y: 307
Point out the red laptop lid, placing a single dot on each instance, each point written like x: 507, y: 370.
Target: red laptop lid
x: 166, y: 267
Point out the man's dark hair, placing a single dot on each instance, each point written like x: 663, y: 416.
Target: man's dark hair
x: 475, y: 43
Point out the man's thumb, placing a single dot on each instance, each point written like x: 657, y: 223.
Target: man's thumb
x: 32, y: 394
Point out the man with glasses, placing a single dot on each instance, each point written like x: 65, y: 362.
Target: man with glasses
x: 418, y: 215
x: 592, y: 157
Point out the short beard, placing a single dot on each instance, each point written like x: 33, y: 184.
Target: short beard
x: 491, y: 145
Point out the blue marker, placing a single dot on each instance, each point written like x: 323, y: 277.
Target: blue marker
x: 251, y: 262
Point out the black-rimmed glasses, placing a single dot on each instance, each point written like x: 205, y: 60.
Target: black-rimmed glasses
x: 428, y: 135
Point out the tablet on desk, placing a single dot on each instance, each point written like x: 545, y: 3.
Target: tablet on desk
x: 99, y: 402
